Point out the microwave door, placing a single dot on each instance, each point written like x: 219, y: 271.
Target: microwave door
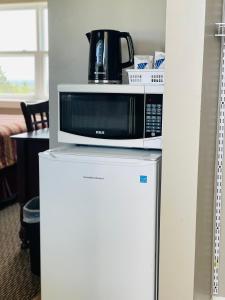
x: 102, y: 116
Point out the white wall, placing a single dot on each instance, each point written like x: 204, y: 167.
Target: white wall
x: 69, y: 20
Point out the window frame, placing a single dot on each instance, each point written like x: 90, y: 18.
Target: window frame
x: 39, y: 54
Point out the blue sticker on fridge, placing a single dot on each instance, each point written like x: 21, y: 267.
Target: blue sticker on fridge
x: 143, y: 179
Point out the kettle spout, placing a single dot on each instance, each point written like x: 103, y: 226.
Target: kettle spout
x: 88, y: 35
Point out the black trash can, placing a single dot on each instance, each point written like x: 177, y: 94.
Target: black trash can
x: 31, y: 216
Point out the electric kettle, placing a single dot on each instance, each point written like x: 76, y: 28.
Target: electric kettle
x: 105, y: 59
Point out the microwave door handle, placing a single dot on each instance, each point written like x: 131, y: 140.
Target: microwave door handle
x: 130, y: 117
x: 134, y: 116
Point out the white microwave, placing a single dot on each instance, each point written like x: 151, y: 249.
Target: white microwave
x: 111, y: 115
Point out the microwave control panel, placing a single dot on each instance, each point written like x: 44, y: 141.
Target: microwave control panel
x: 153, y: 115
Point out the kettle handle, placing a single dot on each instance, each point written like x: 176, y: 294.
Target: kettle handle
x: 130, y: 45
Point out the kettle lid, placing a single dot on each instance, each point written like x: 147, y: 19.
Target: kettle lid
x: 105, y: 30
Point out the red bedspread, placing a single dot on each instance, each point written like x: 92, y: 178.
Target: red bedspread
x: 9, y: 125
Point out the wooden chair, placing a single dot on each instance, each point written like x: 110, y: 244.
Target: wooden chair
x: 36, y: 115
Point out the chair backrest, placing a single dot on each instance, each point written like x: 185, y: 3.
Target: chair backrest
x: 36, y: 115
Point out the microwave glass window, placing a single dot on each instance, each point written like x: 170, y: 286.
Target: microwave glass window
x: 107, y: 116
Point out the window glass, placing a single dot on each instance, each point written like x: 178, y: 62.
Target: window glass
x: 18, y: 30
x: 45, y: 20
x: 46, y: 75
x: 17, y: 75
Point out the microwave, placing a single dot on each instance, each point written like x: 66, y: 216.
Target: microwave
x: 111, y: 115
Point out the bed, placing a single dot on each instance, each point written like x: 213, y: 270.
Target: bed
x: 9, y: 125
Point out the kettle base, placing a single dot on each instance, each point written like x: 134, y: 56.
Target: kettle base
x: 105, y: 81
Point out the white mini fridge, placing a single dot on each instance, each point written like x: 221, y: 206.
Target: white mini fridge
x: 99, y: 212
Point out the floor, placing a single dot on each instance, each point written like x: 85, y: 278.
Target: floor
x: 16, y: 280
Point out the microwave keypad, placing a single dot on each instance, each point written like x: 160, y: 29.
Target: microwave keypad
x: 153, y: 120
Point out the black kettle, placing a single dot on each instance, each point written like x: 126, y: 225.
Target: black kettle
x: 105, y: 59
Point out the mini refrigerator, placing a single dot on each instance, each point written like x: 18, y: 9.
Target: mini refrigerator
x: 99, y: 211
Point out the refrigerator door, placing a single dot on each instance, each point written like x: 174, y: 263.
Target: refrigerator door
x: 98, y: 228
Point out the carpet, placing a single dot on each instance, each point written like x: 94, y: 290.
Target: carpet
x: 16, y: 280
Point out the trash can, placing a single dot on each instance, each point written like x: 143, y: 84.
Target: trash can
x: 31, y: 216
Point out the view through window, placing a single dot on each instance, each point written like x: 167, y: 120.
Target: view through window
x: 24, y: 51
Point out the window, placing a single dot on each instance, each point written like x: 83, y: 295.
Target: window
x: 24, y: 51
